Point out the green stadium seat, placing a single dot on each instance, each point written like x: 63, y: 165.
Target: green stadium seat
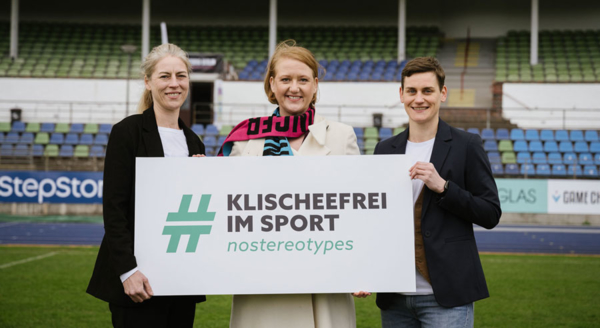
x: 91, y: 128
x: 51, y: 151
x: 62, y: 128
x: 33, y: 127
x: 81, y: 151
x: 5, y: 127
x: 371, y: 133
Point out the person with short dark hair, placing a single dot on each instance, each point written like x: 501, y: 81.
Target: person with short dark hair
x: 453, y: 188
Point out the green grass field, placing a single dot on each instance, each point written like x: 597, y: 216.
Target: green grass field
x: 527, y: 291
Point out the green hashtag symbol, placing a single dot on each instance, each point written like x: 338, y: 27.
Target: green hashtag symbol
x: 194, y: 231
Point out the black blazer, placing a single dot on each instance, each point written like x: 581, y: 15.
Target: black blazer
x: 135, y: 136
x: 447, y: 223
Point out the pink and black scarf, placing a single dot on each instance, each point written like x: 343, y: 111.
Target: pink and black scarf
x: 275, y: 129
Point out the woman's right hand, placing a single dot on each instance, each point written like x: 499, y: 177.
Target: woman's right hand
x: 137, y: 287
x: 361, y: 294
x: 199, y: 155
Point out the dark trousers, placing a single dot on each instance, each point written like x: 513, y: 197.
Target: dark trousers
x: 176, y: 313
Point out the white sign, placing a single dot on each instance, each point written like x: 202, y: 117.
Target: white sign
x: 275, y: 225
x: 574, y: 196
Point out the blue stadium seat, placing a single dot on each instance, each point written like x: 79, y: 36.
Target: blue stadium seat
x: 26, y: 138
x: 590, y: 171
x: 502, y: 134
x: 6, y: 149
x: 523, y: 157
x: 76, y: 128
x: 569, y: 158
x: 66, y: 151
x: 22, y: 150
x: 511, y: 169
x: 198, y: 129
x: 517, y: 134
x: 360, y: 133
x: 561, y: 135
x: 361, y: 143
x: 576, y: 135
x: 47, y: 127
x: 528, y: 169
x: 101, y: 139
x: 12, y: 138
x: 494, y: 157
x: 1, y: 137
x: 574, y: 170
x: 581, y: 147
x: 591, y: 135
x: 38, y: 150
x: 487, y: 134
x: 490, y: 145
x: 210, y: 141
x: 520, y: 145
x: 539, y: 158
x: 497, y: 169
x: 211, y: 130
x: 86, y: 139
x: 473, y: 130
x: 532, y: 135
x: 57, y: 138
x: 97, y: 151
x: 550, y: 146
x: 385, y: 133
x: 18, y: 126
x: 565, y: 147
x: 221, y: 141
x: 555, y: 158
x: 72, y: 139
x: 586, y: 159
x: 595, y: 147
x: 559, y: 170
x: 104, y: 128
x: 210, y: 151
x: 536, y: 146
x: 547, y: 135
x: 597, y: 159
x: 543, y: 169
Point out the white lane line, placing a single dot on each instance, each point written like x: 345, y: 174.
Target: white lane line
x: 551, y: 230
x: 8, y: 224
x: 35, y: 258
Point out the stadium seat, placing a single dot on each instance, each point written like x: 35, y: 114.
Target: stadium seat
x: 528, y: 169
x: 561, y: 135
x: 33, y: 127
x: 225, y: 130
x: 509, y: 158
x: 71, y: 139
x: 581, y: 147
x: 91, y: 128
x: 502, y: 134
x: 221, y: 141
x: 18, y: 126
x: 210, y: 141
x: 539, y: 158
x: 66, y: 151
x: 6, y: 150
x: 359, y: 132
x: 371, y: 133
x: 5, y: 127
x: 101, y: 139
x: 51, y: 151
x: 590, y: 171
x: 210, y: 151
x: 576, y: 135
x: 487, y: 134
x: 97, y: 151
x: 543, y: 169
x: 198, y: 129
x: 104, y: 128
x: 61, y: 128
x: 26, y: 138
x: 565, y: 147
x: 574, y: 170
x: 211, y: 130
x: 532, y: 135
x: 559, y: 170
x: 547, y: 135
x: 57, y: 138
x: 494, y: 157
x: 490, y: 145
x: 586, y: 159
x: 86, y: 139
x: 511, y: 169
x: 550, y: 147
x: 497, y: 169
x: 42, y: 138
x: 12, y: 138
x: 22, y: 150
x: 76, y: 128
x: 569, y: 158
x: 38, y: 150
x: 595, y: 146
x: 597, y: 159
x: 591, y: 135
x: 520, y: 145
x: 370, y: 146
x: 473, y: 130
x: 555, y: 158
x: 1, y: 137
x: 505, y: 145
x: 536, y: 146
x: 398, y: 130
x: 517, y: 134
x: 524, y: 157
x: 385, y: 133
x: 81, y: 151
x: 47, y: 127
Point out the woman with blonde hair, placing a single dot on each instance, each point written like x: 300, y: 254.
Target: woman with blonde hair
x: 294, y: 129
x: 156, y: 132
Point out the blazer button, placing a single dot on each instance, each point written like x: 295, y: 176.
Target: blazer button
x: 427, y: 233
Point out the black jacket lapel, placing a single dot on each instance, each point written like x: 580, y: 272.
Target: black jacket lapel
x: 150, y: 136
x: 441, y: 147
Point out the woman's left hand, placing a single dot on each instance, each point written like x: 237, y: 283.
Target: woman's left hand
x: 361, y: 294
x: 199, y: 155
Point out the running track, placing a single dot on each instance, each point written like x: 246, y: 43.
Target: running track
x: 503, y: 239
